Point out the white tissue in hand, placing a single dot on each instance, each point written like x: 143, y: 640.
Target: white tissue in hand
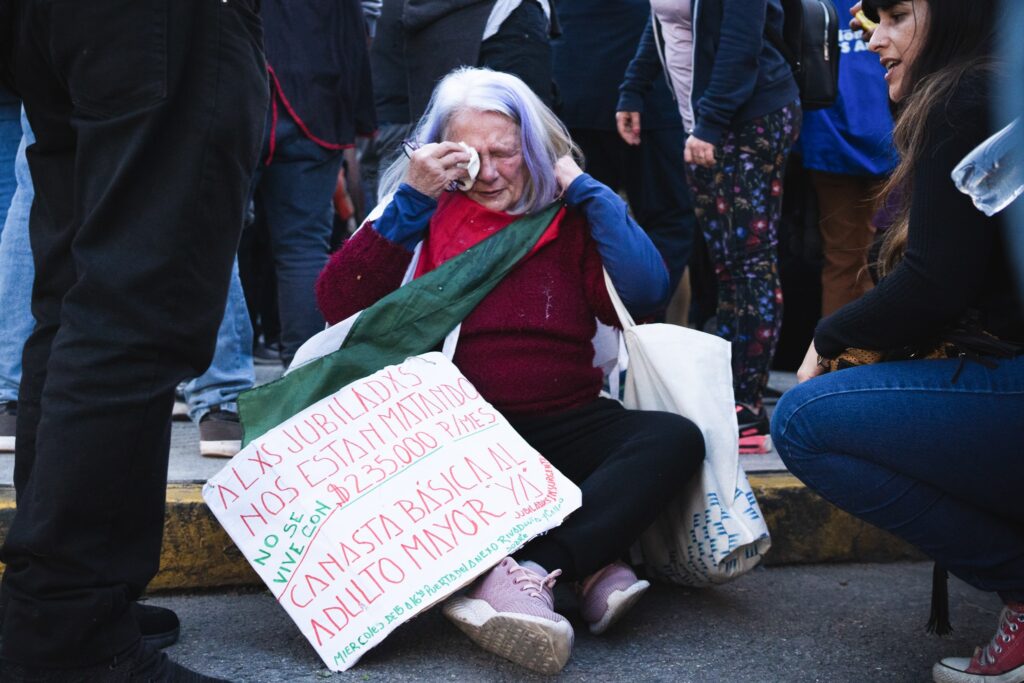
x: 472, y: 167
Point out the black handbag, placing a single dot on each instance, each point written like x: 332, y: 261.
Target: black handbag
x: 810, y: 43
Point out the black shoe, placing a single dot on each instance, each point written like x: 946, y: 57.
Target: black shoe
x: 771, y: 396
x: 141, y: 663
x: 8, y: 422
x: 159, y: 626
x: 755, y: 431
x: 266, y: 354
x: 220, y: 433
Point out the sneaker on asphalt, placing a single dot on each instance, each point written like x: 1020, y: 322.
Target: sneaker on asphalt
x: 606, y: 595
x: 755, y: 431
x: 510, y: 611
x: 159, y: 626
x: 1001, y: 661
x: 220, y: 434
x: 8, y: 422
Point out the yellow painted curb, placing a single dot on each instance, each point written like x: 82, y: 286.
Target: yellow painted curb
x: 198, y: 554
x: 807, y: 529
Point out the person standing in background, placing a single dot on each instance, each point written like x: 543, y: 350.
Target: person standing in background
x: 849, y: 152
x: 590, y: 57
x: 738, y: 99
x: 390, y: 97
x: 321, y: 99
x: 513, y: 36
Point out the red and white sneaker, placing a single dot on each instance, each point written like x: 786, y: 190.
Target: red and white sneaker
x: 755, y: 431
x: 1001, y: 661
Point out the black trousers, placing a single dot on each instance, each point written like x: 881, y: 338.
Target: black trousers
x: 653, y: 177
x: 148, y: 117
x: 629, y: 465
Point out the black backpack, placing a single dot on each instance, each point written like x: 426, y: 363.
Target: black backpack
x: 810, y: 43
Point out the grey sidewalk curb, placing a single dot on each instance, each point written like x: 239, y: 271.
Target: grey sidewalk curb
x: 197, y: 554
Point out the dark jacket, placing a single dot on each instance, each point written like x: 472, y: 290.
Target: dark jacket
x: 440, y: 35
x: 598, y: 40
x: 318, y: 54
x: 738, y: 75
x: 387, y: 62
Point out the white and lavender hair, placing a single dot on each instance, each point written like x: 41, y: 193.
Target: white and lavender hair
x: 543, y: 138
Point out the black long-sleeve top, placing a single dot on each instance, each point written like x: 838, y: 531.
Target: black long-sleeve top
x: 956, y: 258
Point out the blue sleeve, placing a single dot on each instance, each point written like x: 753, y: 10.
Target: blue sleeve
x: 629, y: 256
x: 406, y: 218
x: 640, y: 74
x: 734, y: 73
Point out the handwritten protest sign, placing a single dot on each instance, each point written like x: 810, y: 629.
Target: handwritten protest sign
x: 382, y: 499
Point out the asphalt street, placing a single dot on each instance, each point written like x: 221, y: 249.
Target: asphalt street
x: 828, y: 623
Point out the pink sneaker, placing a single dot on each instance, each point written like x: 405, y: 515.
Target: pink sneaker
x: 608, y: 594
x: 1001, y: 661
x: 510, y: 611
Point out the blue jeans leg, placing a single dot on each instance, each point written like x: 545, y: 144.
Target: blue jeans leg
x: 231, y: 371
x: 10, y: 137
x: 935, y: 463
x: 16, y: 274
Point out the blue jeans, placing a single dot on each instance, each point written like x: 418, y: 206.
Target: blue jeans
x: 10, y: 137
x: 936, y: 463
x: 295, y: 191
x: 16, y: 273
x: 231, y: 371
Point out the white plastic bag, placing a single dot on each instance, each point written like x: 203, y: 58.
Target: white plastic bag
x: 713, y: 530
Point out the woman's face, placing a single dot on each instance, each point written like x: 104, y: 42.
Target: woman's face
x: 502, y: 177
x: 898, y: 40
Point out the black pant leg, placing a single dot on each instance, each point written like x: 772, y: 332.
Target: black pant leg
x: 660, y: 198
x: 629, y: 465
x: 652, y: 176
x: 148, y: 116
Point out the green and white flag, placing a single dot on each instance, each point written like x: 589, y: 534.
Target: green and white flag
x: 413, y: 319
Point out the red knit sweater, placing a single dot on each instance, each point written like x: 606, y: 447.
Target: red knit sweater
x: 527, y: 346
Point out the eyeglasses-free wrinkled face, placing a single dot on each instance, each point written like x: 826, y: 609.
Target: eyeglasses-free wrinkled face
x: 502, y: 177
x: 897, y: 40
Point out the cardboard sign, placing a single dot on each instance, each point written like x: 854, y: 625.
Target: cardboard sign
x: 382, y: 499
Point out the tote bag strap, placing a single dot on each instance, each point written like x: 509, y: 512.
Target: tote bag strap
x: 625, y: 319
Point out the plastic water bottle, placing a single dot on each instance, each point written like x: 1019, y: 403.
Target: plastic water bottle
x: 993, y: 174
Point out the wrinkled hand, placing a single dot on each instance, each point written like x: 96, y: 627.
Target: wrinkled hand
x: 810, y: 368
x: 434, y: 166
x: 628, y: 125
x: 566, y: 171
x: 699, y: 152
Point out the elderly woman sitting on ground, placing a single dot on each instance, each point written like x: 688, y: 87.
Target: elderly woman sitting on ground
x: 527, y: 347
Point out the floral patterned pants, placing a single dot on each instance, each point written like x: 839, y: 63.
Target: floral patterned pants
x: 738, y: 202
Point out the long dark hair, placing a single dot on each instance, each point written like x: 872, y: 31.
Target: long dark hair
x: 960, y: 37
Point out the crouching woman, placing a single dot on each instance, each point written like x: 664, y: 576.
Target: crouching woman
x: 929, y: 449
